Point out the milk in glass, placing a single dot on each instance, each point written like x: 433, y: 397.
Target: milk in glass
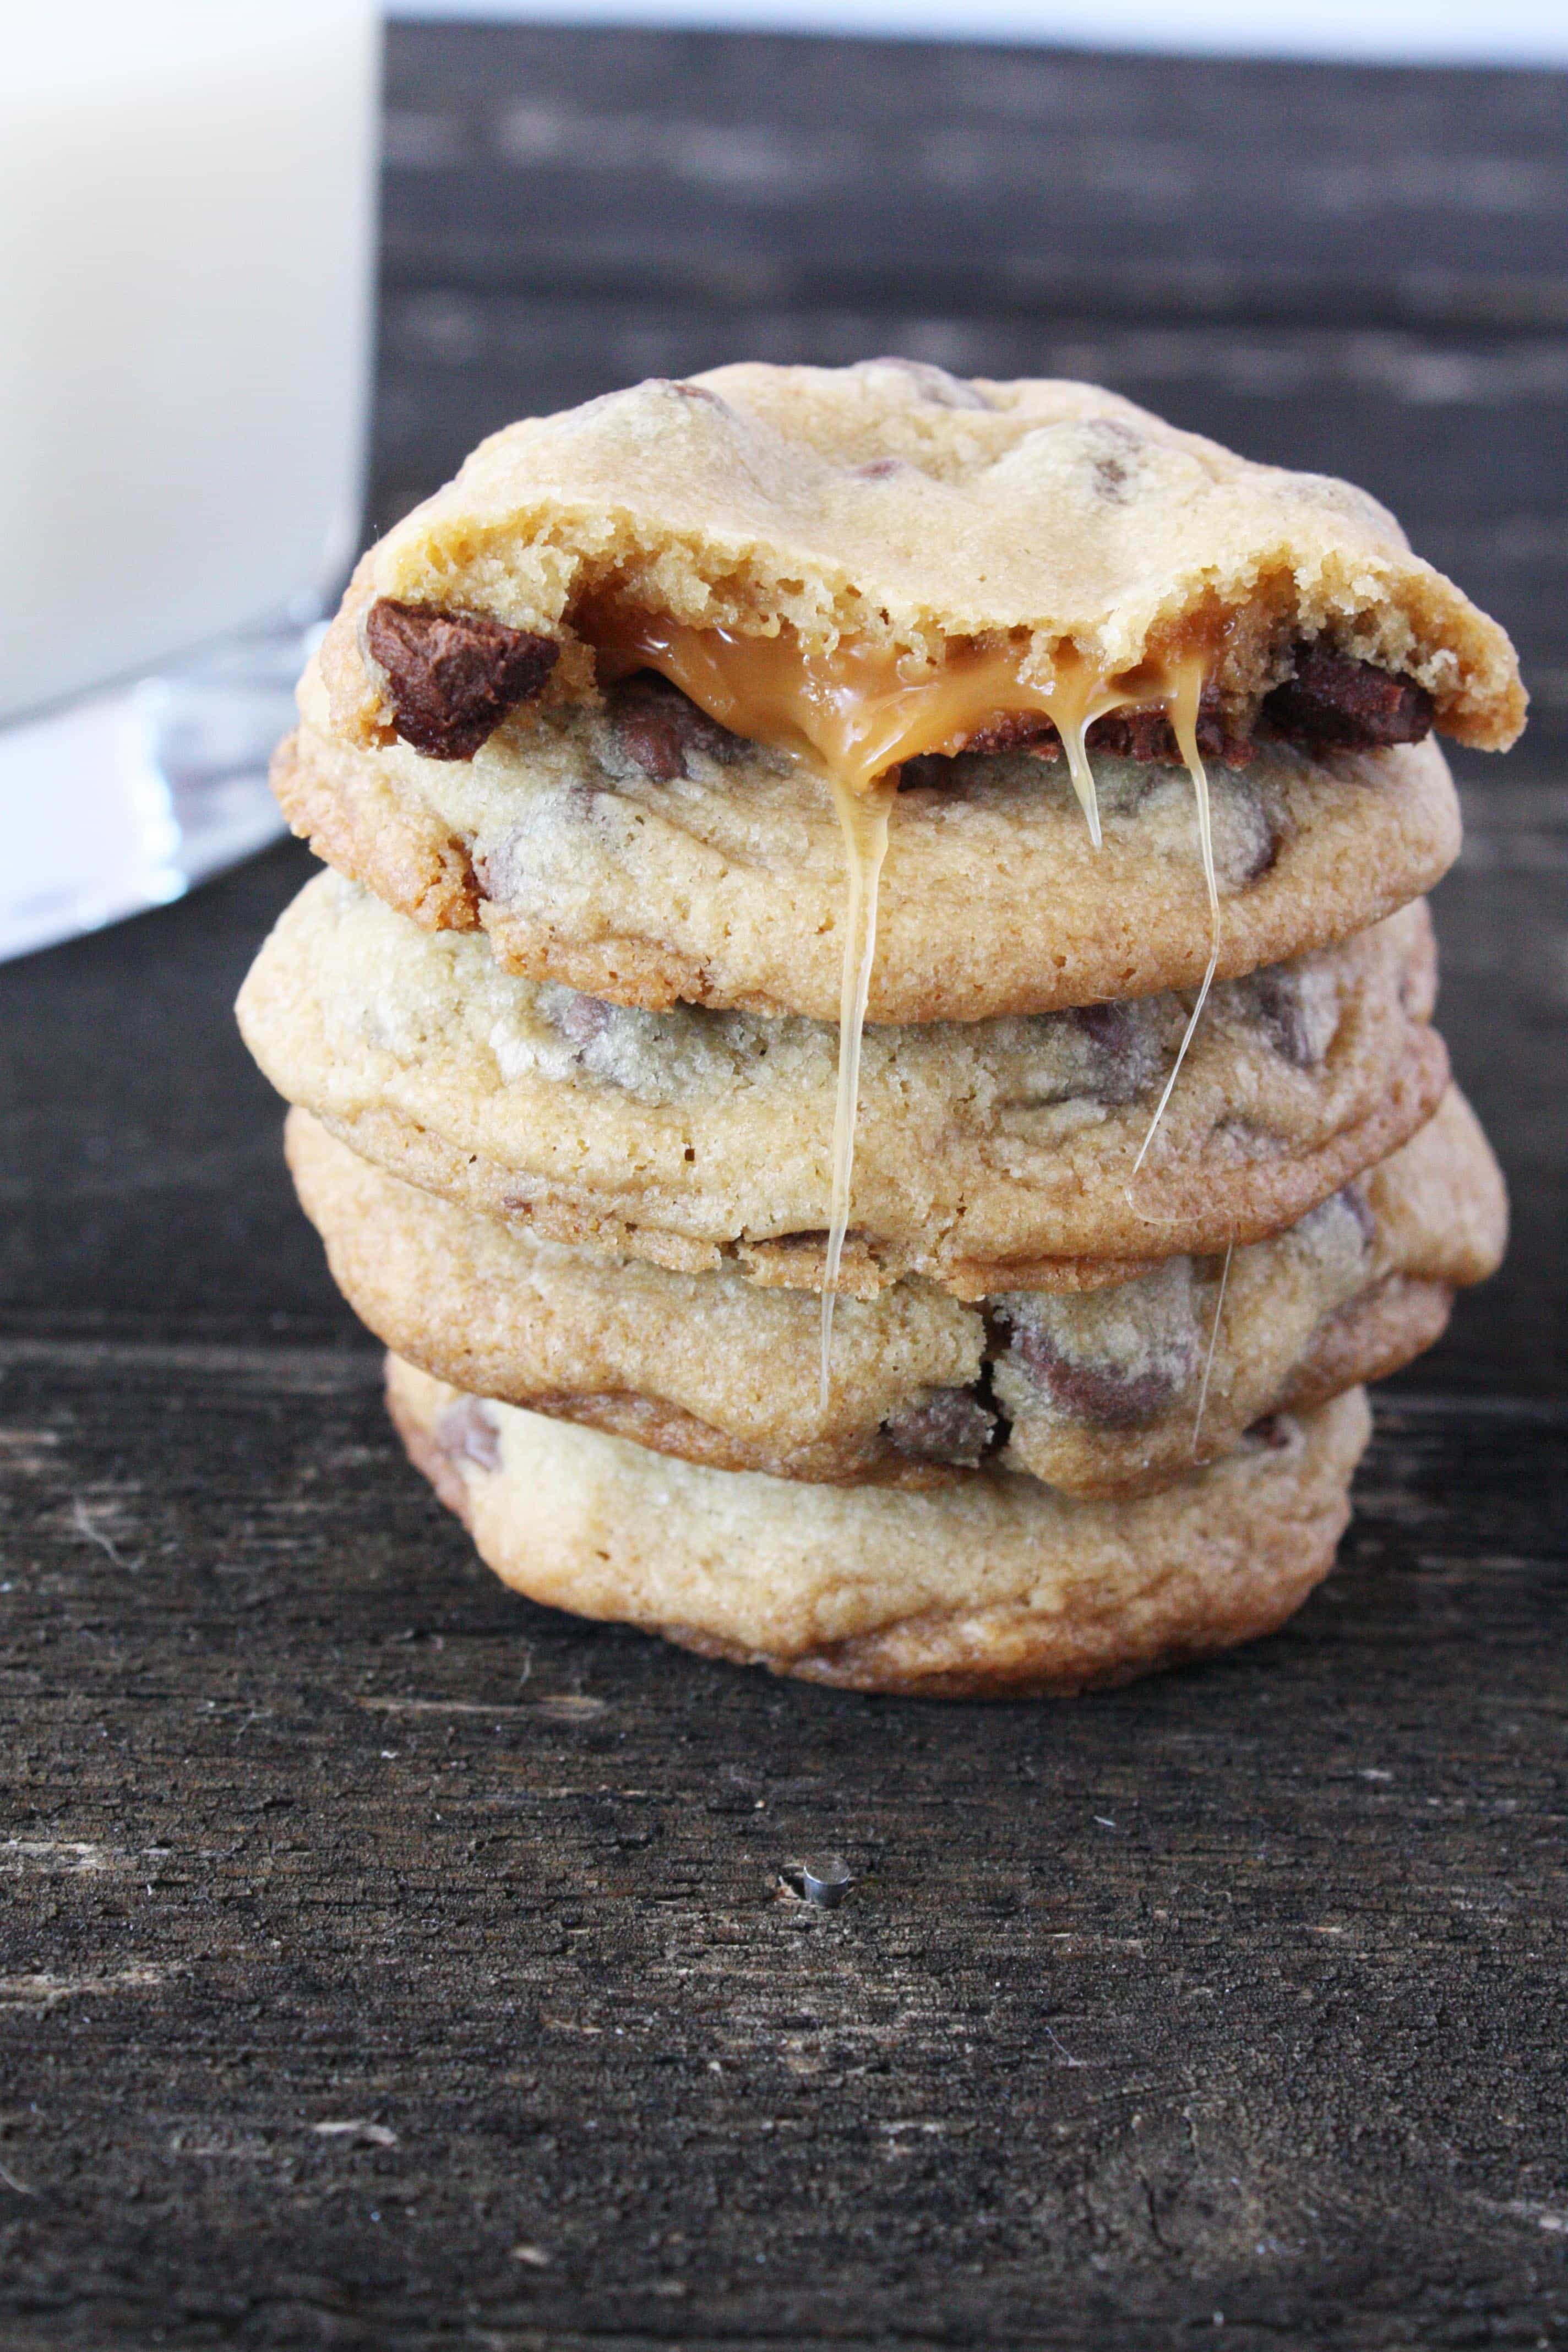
x: 186, y: 198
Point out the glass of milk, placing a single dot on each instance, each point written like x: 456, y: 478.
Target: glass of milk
x: 187, y: 209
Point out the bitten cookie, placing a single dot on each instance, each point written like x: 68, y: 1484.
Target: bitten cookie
x: 900, y: 507
x: 593, y: 692
x: 992, y: 1588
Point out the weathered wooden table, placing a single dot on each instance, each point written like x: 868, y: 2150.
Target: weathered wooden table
x: 388, y: 1963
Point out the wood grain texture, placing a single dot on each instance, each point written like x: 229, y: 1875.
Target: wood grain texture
x: 366, y: 1924
x: 788, y: 171
x: 1239, y: 1993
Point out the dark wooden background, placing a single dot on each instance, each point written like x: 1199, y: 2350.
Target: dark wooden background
x: 387, y: 1963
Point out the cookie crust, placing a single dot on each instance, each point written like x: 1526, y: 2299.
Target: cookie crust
x: 997, y: 1588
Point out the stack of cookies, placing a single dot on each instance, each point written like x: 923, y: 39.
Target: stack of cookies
x: 867, y: 1044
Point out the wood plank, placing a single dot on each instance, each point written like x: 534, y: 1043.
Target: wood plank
x: 783, y: 171
x: 1236, y: 1993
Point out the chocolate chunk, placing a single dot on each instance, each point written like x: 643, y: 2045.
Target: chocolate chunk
x: 453, y: 677
x: 1250, y: 842
x: 581, y: 1019
x: 1333, y: 699
x: 1110, y: 1026
x: 1276, y: 1003
x: 933, y: 383
x: 1324, y: 1226
x: 1126, y: 1049
x: 1017, y: 731
x: 1117, y: 1357
x: 1149, y: 736
x: 1354, y: 1199
x: 465, y: 1433
x: 1297, y: 1011
x: 1095, y: 1391
x: 950, y: 1425
x: 657, y: 725
x: 1273, y: 1433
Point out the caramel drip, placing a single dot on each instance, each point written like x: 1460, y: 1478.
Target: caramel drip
x: 1214, y: 1345
x: 1182, y: 707
x: 863, y: 819
x: 861, y: 712
x: 858, y: 714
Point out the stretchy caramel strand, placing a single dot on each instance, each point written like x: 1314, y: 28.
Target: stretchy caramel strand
x: 693, y: 1137
x: 860, y: 713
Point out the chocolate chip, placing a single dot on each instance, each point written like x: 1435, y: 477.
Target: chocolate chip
x: 1126, y: 1049
x: 656, y: 725
x: 465, y: 1433
x: 581, y: 1019
x: 1017, y: 731
x: 1110, y: 1025
x: 1298, y: 1013
x: 453, y: 677
x: 685, y: 390
x: 951, y: 1425
x: 1273, y: 1433
x: 1352, y: 1197
x: 1250, y: 842
x: 1148, y: 735
x: 935, y: 383
x: 1095, y: 1391
x: 1118, y: 1356
x: 1334, y: 700
x: 1277, y: 1004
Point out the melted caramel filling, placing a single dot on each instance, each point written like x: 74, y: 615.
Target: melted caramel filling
x: 860, y: 711
x: 856, y: 714
x: 863, y: 821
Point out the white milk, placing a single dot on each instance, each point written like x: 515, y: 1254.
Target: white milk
x: 186, y: 211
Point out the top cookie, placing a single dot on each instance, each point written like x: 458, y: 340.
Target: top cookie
x: 900, y: 511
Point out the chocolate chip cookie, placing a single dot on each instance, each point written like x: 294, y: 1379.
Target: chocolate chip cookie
x: 993, y: 1587
x: 600, y: 692
x: 1093, y: 1387
x: 982, y: 1148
